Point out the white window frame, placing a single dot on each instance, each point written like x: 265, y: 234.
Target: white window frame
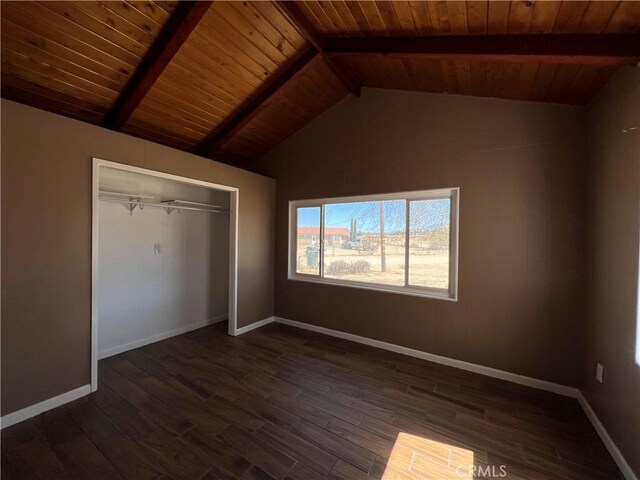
x: 439, y: 293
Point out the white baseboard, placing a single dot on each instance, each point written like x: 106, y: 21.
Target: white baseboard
x: 451, y: 362
x: 110, y: 352
x: 38, y: 408
x: 564, y: 390
x: 255, y: 325
x: 624, y: 467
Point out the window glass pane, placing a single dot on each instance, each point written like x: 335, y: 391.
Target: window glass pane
x: 308, y: 241
x: 365, y: 241
x: 429, y: 242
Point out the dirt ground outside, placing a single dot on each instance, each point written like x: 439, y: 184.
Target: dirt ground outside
x: 428, y: 268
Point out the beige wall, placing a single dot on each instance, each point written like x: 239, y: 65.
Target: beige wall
x: 46, y: 243
x: 613, y: 232
x: 520, y: 168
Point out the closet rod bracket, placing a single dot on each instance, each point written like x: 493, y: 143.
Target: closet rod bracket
x: 171, y: 209
x: 135, y: 203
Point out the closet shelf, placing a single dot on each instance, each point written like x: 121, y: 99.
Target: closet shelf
x: 134, y: 200
x: 121, y: 195
x: 180, y: 205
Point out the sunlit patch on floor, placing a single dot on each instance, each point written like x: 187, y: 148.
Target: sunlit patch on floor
x: 419, y: 458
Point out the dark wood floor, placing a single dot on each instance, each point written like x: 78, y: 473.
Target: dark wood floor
x: 285, y: 403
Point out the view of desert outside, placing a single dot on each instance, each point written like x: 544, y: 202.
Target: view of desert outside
x: 429, y: 248
x: 354, y: 233
x: 427, y: 269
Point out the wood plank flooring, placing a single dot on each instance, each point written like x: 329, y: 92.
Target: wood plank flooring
x: 286, y: 403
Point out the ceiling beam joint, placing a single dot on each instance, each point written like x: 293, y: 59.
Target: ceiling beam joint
x: 308, y: 32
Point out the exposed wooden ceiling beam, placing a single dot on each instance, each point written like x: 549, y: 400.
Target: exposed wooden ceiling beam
x: 248, y: 111
x: 308, y: 32
x: 602, y: 49
x: 178, y: 27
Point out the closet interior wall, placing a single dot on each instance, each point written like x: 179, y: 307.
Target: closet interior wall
x: 161, y: 271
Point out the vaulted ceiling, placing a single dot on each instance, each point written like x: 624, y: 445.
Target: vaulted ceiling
x: 231, y: 80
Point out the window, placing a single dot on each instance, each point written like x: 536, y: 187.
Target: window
x: 404, y: 243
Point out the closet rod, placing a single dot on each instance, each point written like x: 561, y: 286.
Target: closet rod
x: 168, y: 207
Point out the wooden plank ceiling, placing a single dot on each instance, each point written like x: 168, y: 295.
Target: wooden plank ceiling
x: 231, y: 80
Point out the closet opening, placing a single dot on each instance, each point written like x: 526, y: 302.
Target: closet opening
x: 164, y: 257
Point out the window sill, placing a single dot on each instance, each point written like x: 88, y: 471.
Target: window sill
x: 411, y: 291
